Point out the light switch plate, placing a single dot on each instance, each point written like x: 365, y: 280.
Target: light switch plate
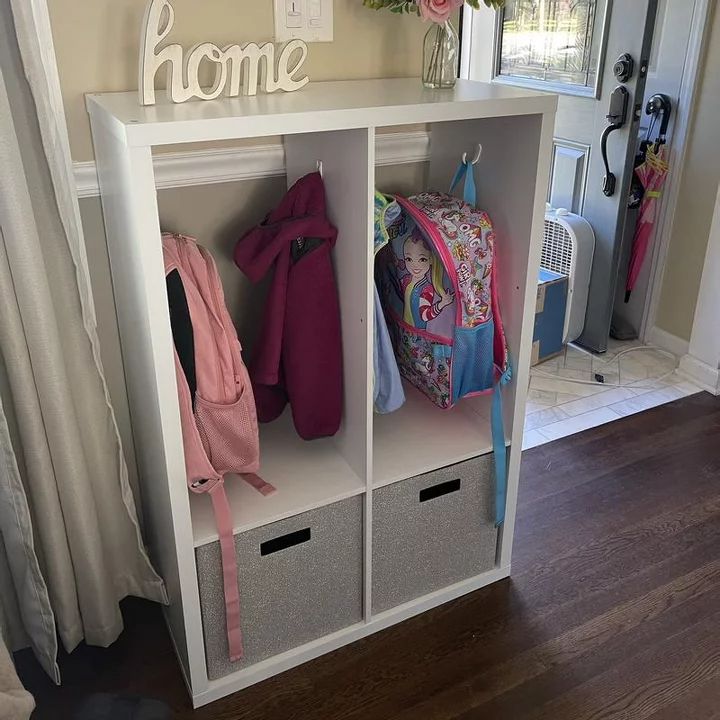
x: 308, y: 20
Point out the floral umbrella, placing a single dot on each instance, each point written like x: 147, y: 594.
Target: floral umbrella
x: 652, y: 173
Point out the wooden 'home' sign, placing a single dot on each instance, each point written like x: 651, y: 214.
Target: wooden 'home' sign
x: 238, y: 70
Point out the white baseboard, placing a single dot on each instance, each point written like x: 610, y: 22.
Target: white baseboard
x: 702, y: 374
x: 665, y: 341
x: 208, y: 167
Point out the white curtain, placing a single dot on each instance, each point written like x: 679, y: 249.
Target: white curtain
x: 15, y: 702
x: 19, y: 569
x: 61, y: 458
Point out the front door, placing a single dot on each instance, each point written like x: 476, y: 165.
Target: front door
x: 594, y: 54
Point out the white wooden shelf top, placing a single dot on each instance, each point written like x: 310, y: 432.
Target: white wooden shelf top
x: 420, y: 436
x: 319, y: 106
x: 307, y: 475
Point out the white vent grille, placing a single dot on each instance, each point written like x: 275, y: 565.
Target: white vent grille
x: 568, y: 247
x: 558, y: 249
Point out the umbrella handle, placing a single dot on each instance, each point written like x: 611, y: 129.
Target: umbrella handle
x: 660, y: 104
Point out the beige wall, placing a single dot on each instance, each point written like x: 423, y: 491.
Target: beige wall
x: 96, y: 43
x: 698, y: 191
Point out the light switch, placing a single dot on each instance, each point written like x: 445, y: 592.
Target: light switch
x: 308, y: 20
x: 293, y: 16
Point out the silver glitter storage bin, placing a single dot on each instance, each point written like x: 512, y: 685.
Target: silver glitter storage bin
x: 300, y: 579
x: 431, y: 531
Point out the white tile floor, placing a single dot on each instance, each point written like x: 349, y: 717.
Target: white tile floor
x: 557, y: 406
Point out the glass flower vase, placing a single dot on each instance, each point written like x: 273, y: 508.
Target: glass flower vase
x: 440, y: 56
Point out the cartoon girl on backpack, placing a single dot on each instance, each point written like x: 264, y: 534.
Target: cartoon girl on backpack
x: 424, y: 296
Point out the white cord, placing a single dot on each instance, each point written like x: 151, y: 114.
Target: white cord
x: 635, y: 348
x: 596, y: 383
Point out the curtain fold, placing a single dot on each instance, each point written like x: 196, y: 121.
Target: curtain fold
x: 24, y: 591
x: 15, y: 702
x: 64, y: 458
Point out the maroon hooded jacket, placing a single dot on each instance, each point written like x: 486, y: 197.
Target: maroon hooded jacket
x: 298, y: 358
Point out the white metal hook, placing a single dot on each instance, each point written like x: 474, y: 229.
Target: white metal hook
x: 319, y: 167
x: 476, y: 159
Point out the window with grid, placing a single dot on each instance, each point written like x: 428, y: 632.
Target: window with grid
x: 556, y: 42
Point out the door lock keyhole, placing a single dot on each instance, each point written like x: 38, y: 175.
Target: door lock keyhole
x: 624, y: 68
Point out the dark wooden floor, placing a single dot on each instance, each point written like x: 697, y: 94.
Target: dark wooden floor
x: 613, y: 609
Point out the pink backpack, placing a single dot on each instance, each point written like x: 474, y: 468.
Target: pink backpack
x: 217, y: 409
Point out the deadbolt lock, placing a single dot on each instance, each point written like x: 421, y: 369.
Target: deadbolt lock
x: 624, y: 67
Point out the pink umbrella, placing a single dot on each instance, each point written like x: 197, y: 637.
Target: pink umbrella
x: 652, y: 173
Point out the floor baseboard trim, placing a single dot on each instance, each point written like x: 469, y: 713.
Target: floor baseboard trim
x: 668, y: 342
x: 702, y: 374
x: 209, y: 167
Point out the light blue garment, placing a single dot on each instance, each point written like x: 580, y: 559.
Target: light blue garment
x: 388, y: 390
x: 389, y: 394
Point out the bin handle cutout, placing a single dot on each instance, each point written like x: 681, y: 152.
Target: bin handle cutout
x: 284, y: 541
x: 436, y: 491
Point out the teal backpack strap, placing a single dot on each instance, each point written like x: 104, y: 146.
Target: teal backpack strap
x: 497, y: 425
x: 469, y: 191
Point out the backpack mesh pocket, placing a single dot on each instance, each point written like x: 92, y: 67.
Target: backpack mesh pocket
x: 473, y: 369
x: 229, y: 433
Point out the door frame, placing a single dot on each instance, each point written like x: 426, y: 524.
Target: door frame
x: 684, y: 114
x: 481, y: 25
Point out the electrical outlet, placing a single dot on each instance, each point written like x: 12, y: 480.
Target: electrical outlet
x: 308, y: 20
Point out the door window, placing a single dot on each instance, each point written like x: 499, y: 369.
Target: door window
x: 552, y: 44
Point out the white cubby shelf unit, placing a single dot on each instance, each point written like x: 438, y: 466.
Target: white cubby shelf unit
x: 335, y: 123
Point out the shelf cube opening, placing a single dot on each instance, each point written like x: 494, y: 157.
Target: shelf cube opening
x: 312, y: 473
x: 420, y: 437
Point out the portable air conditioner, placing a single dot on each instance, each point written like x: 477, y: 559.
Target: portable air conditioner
x: 568, y: 248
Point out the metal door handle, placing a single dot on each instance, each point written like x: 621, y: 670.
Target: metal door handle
x: 617, y: 116
x: 609, y: 180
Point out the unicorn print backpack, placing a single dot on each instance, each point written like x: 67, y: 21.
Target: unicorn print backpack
x: 437, y: 285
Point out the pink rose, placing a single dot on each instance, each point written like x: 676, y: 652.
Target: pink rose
x: 437, y: 10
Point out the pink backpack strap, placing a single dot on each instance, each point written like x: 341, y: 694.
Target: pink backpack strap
x: 224, y: 523
x: 264, y: 488
x: 223, y: 520
x: 500, y: 349
x: 202, y: 478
